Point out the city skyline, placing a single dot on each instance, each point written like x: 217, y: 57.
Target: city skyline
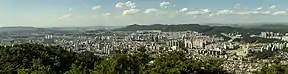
x: 55, y: 13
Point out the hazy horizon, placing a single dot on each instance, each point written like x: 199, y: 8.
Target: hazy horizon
x: 211, y: 24
x: 67, y: 13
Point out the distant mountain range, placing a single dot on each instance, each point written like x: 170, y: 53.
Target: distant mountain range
x: 88, y: 28
x: 214, y: 29
x: 18, y: 28
x: 253, y: 25
x: 35, y: 29
x: 208, y: 28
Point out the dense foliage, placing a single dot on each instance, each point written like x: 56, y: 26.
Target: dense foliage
x: 265, y: 54
x: 30, y: 58
x: 247, y: 39
x: 273, y: 67
x: 39, y: 59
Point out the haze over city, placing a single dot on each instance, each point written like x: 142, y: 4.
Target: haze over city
x: 62, y: 13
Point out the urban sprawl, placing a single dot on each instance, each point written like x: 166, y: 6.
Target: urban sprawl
x: 240, y: 57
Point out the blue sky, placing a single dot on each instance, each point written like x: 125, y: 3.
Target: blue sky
x: 54, y: 13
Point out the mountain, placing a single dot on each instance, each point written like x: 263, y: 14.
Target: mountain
x: 267, y: 26
x: 18, y: 28
x: 25, y: 30
x: 87, y: 28
x: 181, y: 27
x: 205, y: 28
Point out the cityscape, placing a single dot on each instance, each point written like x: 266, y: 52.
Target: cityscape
x: 240, y: 57
x: 143, y: 37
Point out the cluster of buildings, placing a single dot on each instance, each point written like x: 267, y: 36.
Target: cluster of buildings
x: 273, y: 35
x: 196, y: 44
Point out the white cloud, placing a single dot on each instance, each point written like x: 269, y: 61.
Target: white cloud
x: 108, y: 14
x: 243, y: 13
x: 265, y: 12
x: 151, y: 10
x: 195, y: 13
x: 279, y: 13
x: 254, y: 13
x: 183, y: 10
x: 273, y: 6
x: 150, y: 15
x: 164, y: 4
x: 226, y: 11
x: 65, y: 16
x: 262, y: 13
x: 199, y: 12
x: 128, y: 4
x: 120, y: 5
x: 130, y: 11
x: 259, y: 8
x: 96, y: 7
x: 206, y: 10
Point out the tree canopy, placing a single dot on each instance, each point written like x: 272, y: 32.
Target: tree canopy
x: 39, y: 59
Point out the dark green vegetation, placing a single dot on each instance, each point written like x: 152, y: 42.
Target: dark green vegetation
x: 266, y: 54
x: 39, y: 59
x: 204, y: 28
x: 247, y: 39
x: 274, y: 67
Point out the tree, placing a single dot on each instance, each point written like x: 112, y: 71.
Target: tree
x: 132, y: 63
x: 37, y: 68
x: 274, y: 67
x: 51, y: 59
x: 39, y: 59
x: 76, y: 70
x: 176, y: 62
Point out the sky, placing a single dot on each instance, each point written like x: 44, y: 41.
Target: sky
x: 63, y: 13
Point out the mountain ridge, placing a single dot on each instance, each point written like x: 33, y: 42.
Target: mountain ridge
x: 207, y: 28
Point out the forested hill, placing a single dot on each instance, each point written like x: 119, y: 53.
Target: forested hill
x: 39, y: 59
x: 199, y: 28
